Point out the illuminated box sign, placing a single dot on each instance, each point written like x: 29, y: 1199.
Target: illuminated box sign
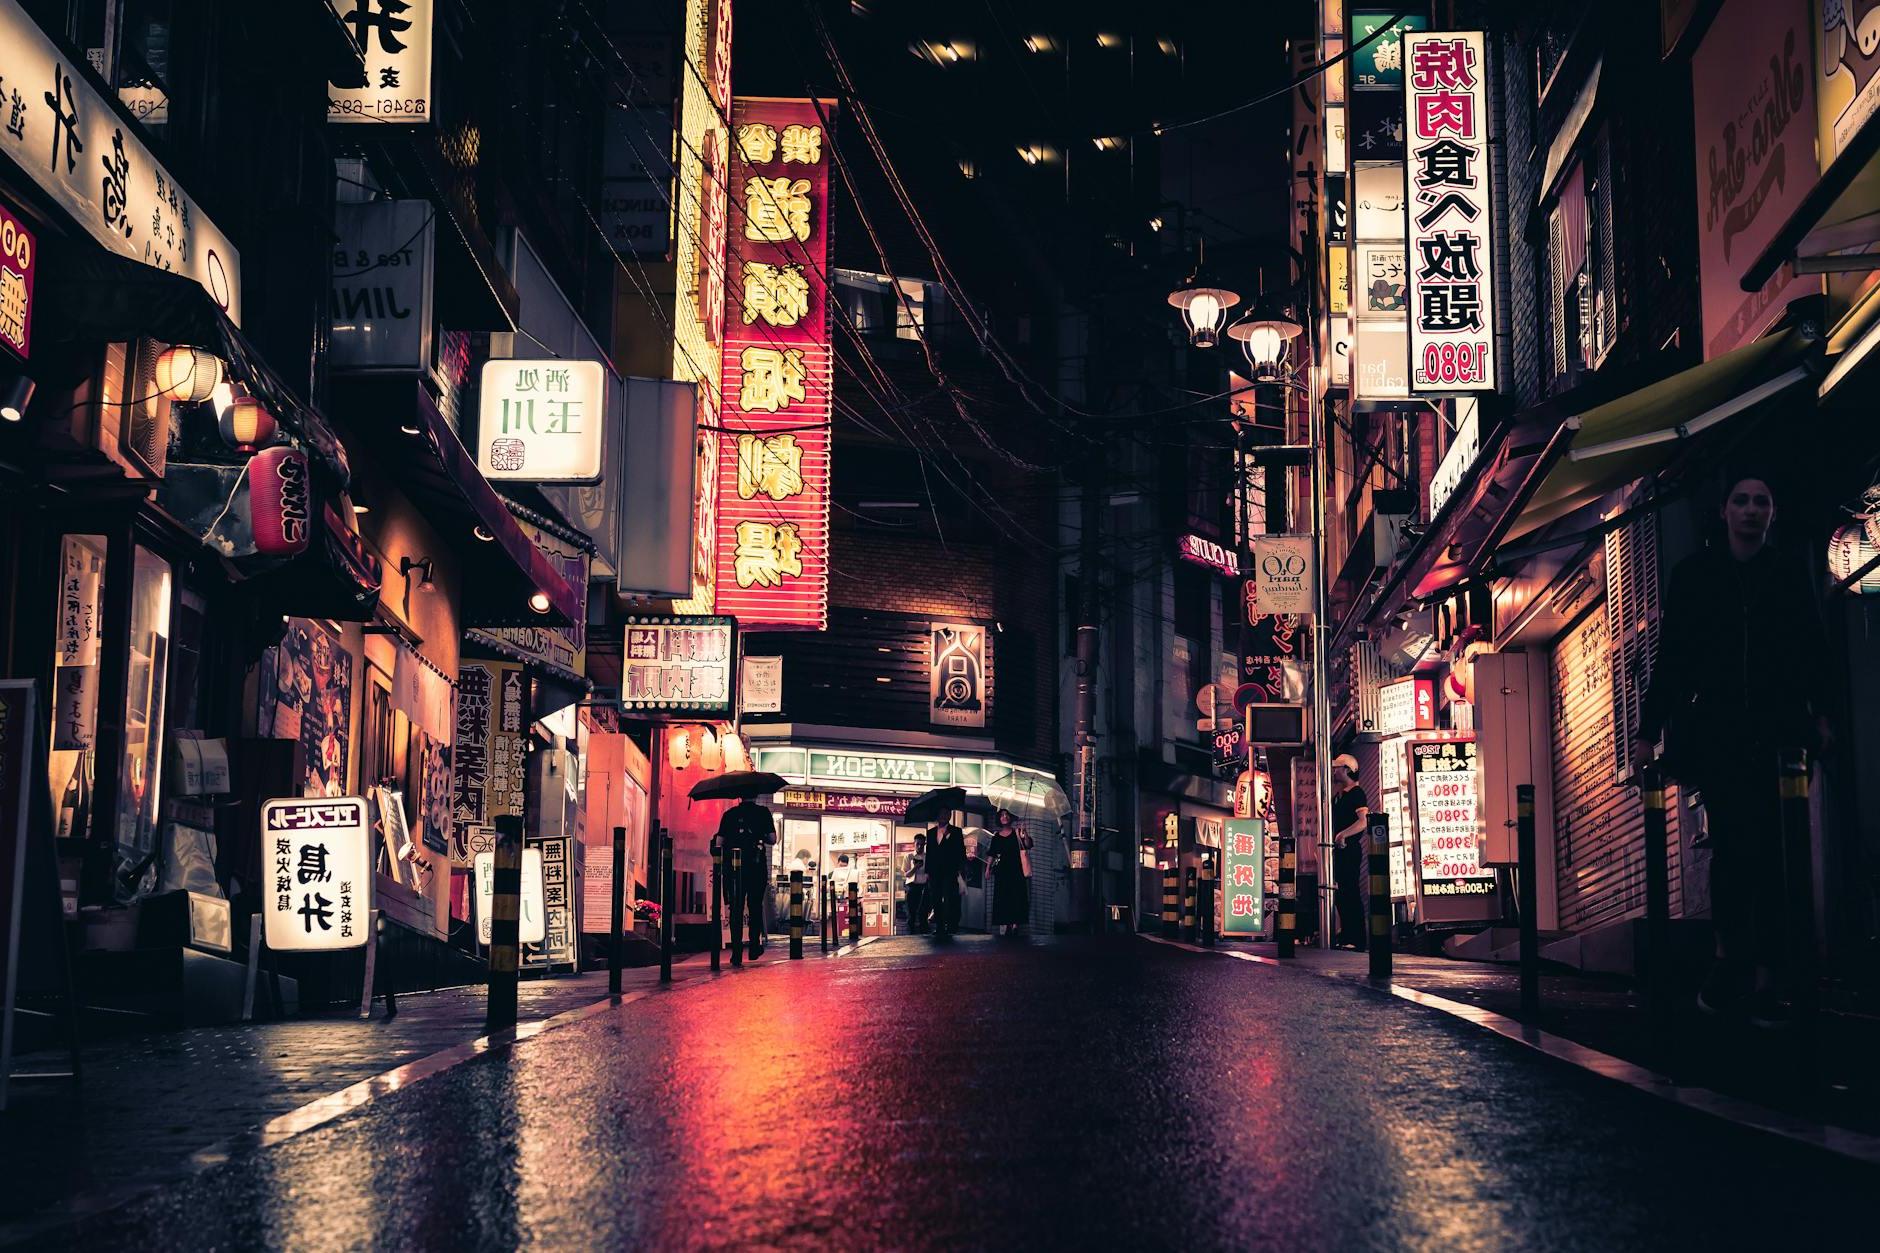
x: 856, y: 767
x: 1243, y: 887
x: 395, y: 36
x: 540, y: 421
x: 1452, y: 250
x: 487, y: 759
x: 17, y: 247
x: 1282, y: 574
x: 79, y: 151
x: 1452, y: 880
x: 531, y: 916
x: 678, y: 664
x: 773, y: 460
x: 845, y: 802
x: 1406, y: 705
x: 956, y: 683
x: 1205, y: 552
x: 318, y: 890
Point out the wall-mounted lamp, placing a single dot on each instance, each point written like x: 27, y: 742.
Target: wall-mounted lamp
x: 15, y: 395
x: 426, y: 571
x: 539, y: 601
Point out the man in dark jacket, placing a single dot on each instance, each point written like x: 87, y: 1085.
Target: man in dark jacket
x: 748, y: 828
x: 1739, y: 676
x: 946, y: 859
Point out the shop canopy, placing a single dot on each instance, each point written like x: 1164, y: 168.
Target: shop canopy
x: 1835, y: 227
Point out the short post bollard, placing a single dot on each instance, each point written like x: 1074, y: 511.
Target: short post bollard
x: 1171, y: 903
x: 668, y: 902
x: 1527, y: 898
x: 855, y: 913
x: 718, y: 901
x: 796, y: 914
x: 1378, y: 833
x: 1207, y: 900
x: 1288, y: 923
x: 822, y: 910
x: 505, y: 934
x: 617, y: 912
x: 738, y: 904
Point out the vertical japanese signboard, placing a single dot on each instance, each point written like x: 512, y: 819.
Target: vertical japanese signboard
x: 77, y: 148
x: 318, y: 855
x: 1451, y: 256
x: 17, y: 247
x: 1454, y: 884
x: 773, y: 468
x: 395, y: 37
x: 1379, y: 293
x: 1243, y: 891
x: 557, y: 944
x: 488, y: 762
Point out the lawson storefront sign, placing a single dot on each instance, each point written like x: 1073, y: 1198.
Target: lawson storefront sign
x: 861, y: 768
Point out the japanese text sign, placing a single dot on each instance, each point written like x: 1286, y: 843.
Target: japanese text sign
x: 317, y: 890
x: 1406, y: 705
x: 556, y: 945
x: 773, y: 468
x: 1243, y: 888
x: 395, y: 37
x: 17, y: 247
x: 487, y: 760
x: 531, y: 916
x: 540, y: 421
x: 1451, y: 255
x: 1449, y: 826
x: 82, y: 153
x: 679, y: 664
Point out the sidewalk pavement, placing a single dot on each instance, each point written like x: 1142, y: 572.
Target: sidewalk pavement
x: 1608, y: 1013
x: 147, y: 1103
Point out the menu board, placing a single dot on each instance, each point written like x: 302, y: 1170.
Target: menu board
x: 1454, y: 885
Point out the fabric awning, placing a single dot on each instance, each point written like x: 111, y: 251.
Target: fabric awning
x: 440, y: 476
x: 1639, y: 433
x: 1842, y: 210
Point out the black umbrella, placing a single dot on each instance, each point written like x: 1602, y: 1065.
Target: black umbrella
x: 737, y: 785
x: 936, y: 804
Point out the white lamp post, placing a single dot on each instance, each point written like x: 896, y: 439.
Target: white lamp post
x: 1265, y: 336
x: 1204, y: 306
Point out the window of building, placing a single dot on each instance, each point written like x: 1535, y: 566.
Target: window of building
x: 141, y: 762
x: 72, y: 765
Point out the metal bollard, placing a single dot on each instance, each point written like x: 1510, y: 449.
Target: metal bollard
x: 505, y: 911
x: 1527, y: 897
x: 1657, y: 897
x: 855, y: 913
x: 1171, y: 904
x: 1378, y: 838
x: 823, y: 921
x: 618, y: 912
x: 668, y: 899
x: 1288, y: 896
x: 718, y: 894
x: 796, y: 914
x: 739, y: 902
x: 1206, y: 905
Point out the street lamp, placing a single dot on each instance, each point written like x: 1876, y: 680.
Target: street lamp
x: 1265, y: 335
x: 1204, y: 306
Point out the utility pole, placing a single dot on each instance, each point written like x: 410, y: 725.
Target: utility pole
x: 1084, y: 739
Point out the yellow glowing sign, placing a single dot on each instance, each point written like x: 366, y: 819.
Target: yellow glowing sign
x: 769, y: 465
x: 766, y: 553
x: 770, y: 378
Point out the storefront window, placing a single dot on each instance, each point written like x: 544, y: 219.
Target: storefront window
x: 72, y: 766
x: 145, y: 680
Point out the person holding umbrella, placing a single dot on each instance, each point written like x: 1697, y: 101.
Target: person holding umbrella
x: 748, y: 828
x: 1011, y: 875
x: 946, y: 854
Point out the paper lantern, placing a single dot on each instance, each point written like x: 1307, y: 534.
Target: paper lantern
x: 187, y: 374
x: 1848, y: 550
x: 246, y: 423
x: 280, y: 502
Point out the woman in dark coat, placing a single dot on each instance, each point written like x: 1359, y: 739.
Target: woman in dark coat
x: 1011, y: 875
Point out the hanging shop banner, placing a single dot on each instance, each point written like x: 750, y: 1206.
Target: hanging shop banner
x: 678, y: 665
x: 488, y: 762
x: 1452, y: 236
x: 541, y: 421
x: 319, y: 859
x: 1752, y: 89
x: 1453, y: 883
x: 760, y: 685
x: 306, y: 694
x: 1406, y: 705
x: 17, y: 249
x: 395, y: 36
x: 1243, y: 894
x: 81, y: 152
x: 956, y: 675
x: 1282, y: 574
x: 382, y: 278
x: 531, y: 918
x: 557, y: 944
x: 773, y: 468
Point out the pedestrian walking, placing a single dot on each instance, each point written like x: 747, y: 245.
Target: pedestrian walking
x: 1739, y: 677
x: 1350, y: 809
x: 914, y: 873
x: 747, y: 828
x: 946, y: 861
x: 1011, y: 875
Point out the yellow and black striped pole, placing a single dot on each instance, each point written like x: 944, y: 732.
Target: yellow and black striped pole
x: 1171, y: 903
x: 1527, y: 899
x: 855, y: 912
x: 1188, y: 904
x: 1288, y: 920
x: 1378, y: 838
x: 1206, y: 905
x: 796, y: 914
x: 505, y: 913
x: 739, y: 903
x: 718, y: 900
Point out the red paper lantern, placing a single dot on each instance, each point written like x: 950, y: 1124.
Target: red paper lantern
x: 280, y: 502
x: 246, y: 424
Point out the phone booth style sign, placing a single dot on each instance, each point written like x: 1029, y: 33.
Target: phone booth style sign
x: 540, y: 421
x: 1451, y: 257
x: 319, y: 857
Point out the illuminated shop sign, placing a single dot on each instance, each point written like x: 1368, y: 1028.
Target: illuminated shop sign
x: 1452, y: 880
x: 840, y: 767
x: 678, y: 664
x: 395, y: 36
x: 541, y: 421
x: 16, y: 283
x: 1406, y: 705
x: 1205, y: 552
x: 318, y: 887
x: 1243, y: 888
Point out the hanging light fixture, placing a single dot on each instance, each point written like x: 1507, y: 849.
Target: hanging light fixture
x: 1265, y: 335
x: 187, y: 374
x: 538, y: 601
x: 1204, y: 306
x: 246, y: 423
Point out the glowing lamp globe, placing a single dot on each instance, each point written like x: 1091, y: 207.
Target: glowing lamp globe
x: 1203, y: 310
x: 246, y: 423
x: 187, y: 374
x: 1265, y: 335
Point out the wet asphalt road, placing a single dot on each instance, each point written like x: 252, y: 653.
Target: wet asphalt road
x: 1011, y: 1095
